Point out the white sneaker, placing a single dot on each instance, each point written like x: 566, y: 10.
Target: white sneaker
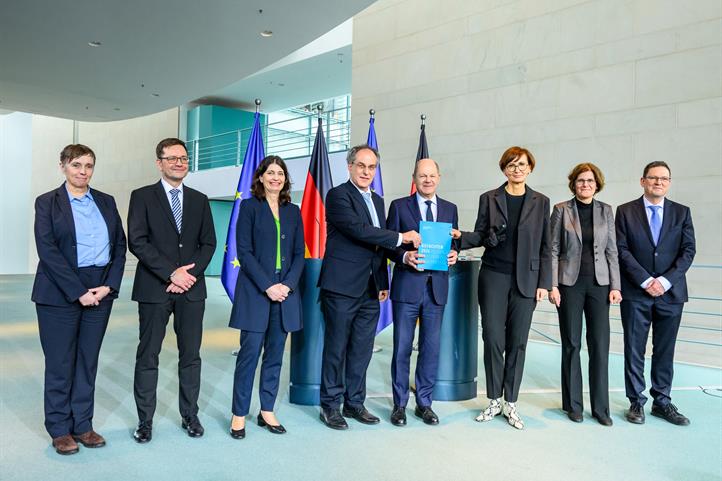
x: 512, y: 416
x: 490, y: 412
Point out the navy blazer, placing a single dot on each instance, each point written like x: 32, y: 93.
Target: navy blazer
x: 256, y: 239
x: 640, y: 259
x: 408, y: 284
x: 57, y: 282
x: 355, y: 249
x: 154, y: 239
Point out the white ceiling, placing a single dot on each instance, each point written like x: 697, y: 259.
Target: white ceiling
x: 156, y: 54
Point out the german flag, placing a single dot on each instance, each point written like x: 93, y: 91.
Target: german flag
x: 423, y: 151
x: 313, y: 210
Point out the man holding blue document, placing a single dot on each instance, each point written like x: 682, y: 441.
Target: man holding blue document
x: 419, y: 288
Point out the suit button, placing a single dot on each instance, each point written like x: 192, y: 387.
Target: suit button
x: 180, y: 245
x: 283, y: 236
x: 656, y: 254
x: 283, y: 259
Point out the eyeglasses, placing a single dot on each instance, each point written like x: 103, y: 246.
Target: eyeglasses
x: 654, y: 178
x: 586, y: 181
x: 174, y: 160
x: 520, y: 167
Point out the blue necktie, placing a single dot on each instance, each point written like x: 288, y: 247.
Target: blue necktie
x: 372, y: 209
x: 429, y: 212
x: 175, y: 205
x: 655, y: 223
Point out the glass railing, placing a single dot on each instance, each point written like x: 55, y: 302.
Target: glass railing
x: 289, y: 138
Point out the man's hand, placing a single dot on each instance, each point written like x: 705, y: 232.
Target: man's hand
x: 174, y: 289
x: 411, y: 237
x: 413, y: 259
x: 88, y: 299
x: 277, y: 293
x: 100, y: 292
x: 615, y: 297
x: 540, y: 294
x: 181, y: 278
x: 555, y: 297
x: 455, y: 234
x: 383, y: 295
x: 655, y: 288
x: 452, y: 257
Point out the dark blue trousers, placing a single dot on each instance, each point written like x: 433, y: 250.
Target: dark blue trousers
x: 664, y: 319
x: 71, y: 337
x: 430, y: 315
x: 272, y: 342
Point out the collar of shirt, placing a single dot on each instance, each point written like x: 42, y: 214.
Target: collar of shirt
x: 71, y: 197
x: 167, y: 187
x: 363, y: 192
x: 422, y: 200
x: 648, y: 204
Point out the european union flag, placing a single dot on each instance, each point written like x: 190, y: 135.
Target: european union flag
x: 251, y: 161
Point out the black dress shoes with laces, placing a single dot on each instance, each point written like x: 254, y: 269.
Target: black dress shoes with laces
x: 193, y: 426
x: 670, y: 414
x: 360, y: 414
x: 398, y: 416
x: 603, y: 419
x: 333, y: 419
x: 144, y: 432
x: 635, y: 414
x: 427, y: 415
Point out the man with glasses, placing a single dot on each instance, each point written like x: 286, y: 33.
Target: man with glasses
x: 170, y: 231
x: 353, y: 280
x: 655, y: 238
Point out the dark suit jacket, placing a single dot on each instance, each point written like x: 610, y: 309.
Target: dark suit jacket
x: 256, y: 239
x: 640, y: 259
x: 408, y: 284
x: 566, y: 233
x: 160, y: 249
x: 56, y: 280
x: 533, y: 253
x: 355, y: 249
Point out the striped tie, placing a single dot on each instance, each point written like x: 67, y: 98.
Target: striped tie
x: 176, y: 208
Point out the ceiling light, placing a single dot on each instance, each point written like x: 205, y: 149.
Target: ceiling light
x: 267, y: 33
x: 94, y: 43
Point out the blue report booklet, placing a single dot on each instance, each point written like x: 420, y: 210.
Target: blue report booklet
x: 435, y: 245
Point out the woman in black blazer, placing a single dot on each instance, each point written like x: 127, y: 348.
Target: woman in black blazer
x: 513, y: 226
x: 81, y: 249
x: 267, y: 305
x: 585, y: 279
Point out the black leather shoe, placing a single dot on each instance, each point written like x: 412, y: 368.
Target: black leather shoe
x: 427, y: 415
x: 144, y: 432
x: 604, y: 420
x: 398, y: 416
x: 277, y: 429
x: 670, y: 414
x: 575, y: 416
x: 360, y: 414
x: 333, y: 419
x: 635, y: 414
x: 238, y: 433
x: 193, y: 426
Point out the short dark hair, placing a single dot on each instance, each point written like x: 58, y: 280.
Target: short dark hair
x: 513, y: 153
x: 73, y: 151
x: 353, y: 151
x: 656, y: 163
x: 257, y: 189
x: 169, y: 142
x: 586, y: 167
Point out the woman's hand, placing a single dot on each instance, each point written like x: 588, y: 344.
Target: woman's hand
x: 100, y: 292
x: 88, y: 299
x: 555, y: 297
x: 615, y: 296
x: 277, y: 292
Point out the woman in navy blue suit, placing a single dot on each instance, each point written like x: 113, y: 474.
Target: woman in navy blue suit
x: 267, y: 305
x: 81, y: 249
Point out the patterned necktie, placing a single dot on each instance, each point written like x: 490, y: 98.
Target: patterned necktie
x: 655, y: 223
x: 372, y: 209
x: 429, y: 212
x: 175, y: 205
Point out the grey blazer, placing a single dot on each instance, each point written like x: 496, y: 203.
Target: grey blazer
x: 566, y: 233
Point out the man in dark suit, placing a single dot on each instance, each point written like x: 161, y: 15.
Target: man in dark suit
x: 655, y: 238
x: 353, y: 280
x: 418, y: 294
x: 170, y: 231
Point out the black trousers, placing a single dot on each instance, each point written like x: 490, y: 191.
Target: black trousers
x: 272, y: 341
x: 71, y: 337
x: 588, y: 298
x: 664, y: 319
x: 505, y: 322
x: 188, y: 326
x: 348, y: 344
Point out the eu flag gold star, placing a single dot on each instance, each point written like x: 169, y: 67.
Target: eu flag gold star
x: 235, y: 262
